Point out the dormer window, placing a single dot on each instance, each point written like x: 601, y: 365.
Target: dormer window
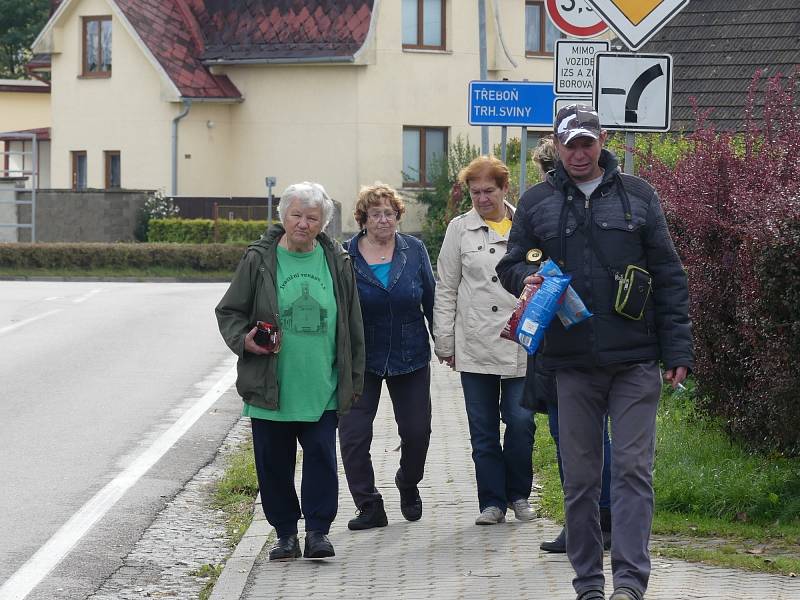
x: 96, y: 47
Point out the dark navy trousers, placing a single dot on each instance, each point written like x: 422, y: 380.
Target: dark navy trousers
x: 275, y: 450
x: 411, y: 400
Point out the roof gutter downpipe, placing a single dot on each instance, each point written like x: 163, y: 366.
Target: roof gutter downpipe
x: 187, y: 105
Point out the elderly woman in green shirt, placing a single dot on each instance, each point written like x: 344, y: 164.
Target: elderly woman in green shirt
x: 299, y: 279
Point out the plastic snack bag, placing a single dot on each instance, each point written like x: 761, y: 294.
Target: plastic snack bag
x: 539, y: 311
x: 510, y: 330
x: 572, y: 310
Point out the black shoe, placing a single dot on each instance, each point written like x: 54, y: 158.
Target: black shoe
x: 286, y: 548
x: 410, y: 502
x: 318, y: 545
x: 625, y: 593
x: 370, y: 515
x: 558, y: 545
x: 592, y: 595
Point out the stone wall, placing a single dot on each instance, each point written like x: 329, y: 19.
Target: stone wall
x: 88, y: 216
x: 96, y: 216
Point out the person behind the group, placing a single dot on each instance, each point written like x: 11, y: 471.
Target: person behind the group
x: 396, y: 290
x: 541, y: 385
x: 296, y: 277
x: 470, y: 311
x: 601, y: 226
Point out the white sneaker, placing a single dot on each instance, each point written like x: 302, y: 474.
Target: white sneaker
x: 491, y: 515
x: 522, y: 510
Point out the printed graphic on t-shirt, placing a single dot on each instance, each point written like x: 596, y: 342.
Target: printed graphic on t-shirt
x: 305, y: 315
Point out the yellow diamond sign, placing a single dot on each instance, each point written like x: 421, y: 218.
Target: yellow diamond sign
x: 636, y: 21
x: 636, y: 10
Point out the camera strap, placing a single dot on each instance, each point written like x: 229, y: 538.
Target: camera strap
x: 586, y: 227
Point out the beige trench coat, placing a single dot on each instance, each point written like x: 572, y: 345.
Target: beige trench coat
x: 471, y: 307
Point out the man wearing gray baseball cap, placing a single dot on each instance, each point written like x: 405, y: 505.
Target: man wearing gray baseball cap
x: 607, y: 230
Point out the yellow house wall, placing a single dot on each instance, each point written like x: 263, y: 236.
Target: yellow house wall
x: 126, y: 112
x: 20, y: 110
x: 296, y: 124
x: 424, y: 88
x: 340, y: 125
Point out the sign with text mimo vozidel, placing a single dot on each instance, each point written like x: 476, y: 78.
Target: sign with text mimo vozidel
x: 511, y: 103
x: 574, y: 65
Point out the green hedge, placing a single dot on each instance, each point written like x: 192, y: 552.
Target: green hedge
x: 201, y: 231
x: 198, y: 257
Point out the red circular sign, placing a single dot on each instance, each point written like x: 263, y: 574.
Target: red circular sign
x: 575, y: 18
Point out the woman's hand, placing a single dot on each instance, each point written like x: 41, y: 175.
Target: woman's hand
x: 450, y: 361
x: 253, y: 348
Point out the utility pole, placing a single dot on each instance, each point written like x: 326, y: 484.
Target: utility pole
x: 484, y: 68
x: 271, y: 182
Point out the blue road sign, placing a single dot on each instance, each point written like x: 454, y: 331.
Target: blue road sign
x: 511, y: 103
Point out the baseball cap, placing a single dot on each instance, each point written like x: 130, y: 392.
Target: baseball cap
x: 576, y: 120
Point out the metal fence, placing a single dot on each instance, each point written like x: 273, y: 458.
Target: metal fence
x: 19, y: 172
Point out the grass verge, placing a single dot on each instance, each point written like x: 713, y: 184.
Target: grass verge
x: 234, y: 495
x: 236, y: 491
x: 727, y: 505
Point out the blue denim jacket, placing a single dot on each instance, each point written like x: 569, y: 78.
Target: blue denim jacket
x: 394, y: 318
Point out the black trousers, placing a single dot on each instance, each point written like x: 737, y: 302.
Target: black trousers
x: 275, y: 450
x: 411, y: 400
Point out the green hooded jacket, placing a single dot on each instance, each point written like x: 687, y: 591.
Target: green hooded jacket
x: 252, y: 296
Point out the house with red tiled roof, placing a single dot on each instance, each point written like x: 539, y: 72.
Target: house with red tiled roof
x: 209, y: 97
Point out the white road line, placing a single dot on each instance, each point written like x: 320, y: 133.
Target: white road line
x: 28, y: 576
x: 24, y: 322
x: 86, y: 296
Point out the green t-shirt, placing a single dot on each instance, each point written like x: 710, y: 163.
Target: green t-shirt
x: 307, y: 374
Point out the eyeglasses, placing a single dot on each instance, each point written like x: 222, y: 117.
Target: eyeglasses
x: 376, y: 216
x: 477, y: 193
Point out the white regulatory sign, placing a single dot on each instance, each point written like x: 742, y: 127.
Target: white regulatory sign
x: 574, y: 65
x: 633, y: 92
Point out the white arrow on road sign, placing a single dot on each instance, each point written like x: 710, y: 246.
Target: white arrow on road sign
x: 633, y: 92
x: 574, y: 65
x: 636, y: 21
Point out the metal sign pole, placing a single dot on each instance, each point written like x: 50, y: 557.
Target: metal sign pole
x: 630, y: 144
x: 503, y: 139
x: 483, y: 65
x: 271, y: 181
x: 34, y: 186
x: 523, y: 159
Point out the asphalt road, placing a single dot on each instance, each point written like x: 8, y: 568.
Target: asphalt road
x: 93, y: 378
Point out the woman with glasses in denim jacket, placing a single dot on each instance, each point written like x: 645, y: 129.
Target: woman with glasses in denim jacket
x: 396, y: 290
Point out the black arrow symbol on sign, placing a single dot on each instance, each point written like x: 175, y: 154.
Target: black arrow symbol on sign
x: 632, y: 102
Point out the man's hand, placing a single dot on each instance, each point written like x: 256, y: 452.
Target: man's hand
x: 675, y: 376
x: 535, y: 280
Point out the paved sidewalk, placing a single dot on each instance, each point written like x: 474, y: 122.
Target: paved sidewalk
x: 444, y: 555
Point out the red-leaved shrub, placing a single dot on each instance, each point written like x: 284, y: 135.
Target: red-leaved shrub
x: 733, y: 204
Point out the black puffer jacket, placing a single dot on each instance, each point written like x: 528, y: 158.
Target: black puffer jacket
x: 628, y: 225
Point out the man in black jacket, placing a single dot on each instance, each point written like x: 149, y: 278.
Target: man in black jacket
x: 607, y: 230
